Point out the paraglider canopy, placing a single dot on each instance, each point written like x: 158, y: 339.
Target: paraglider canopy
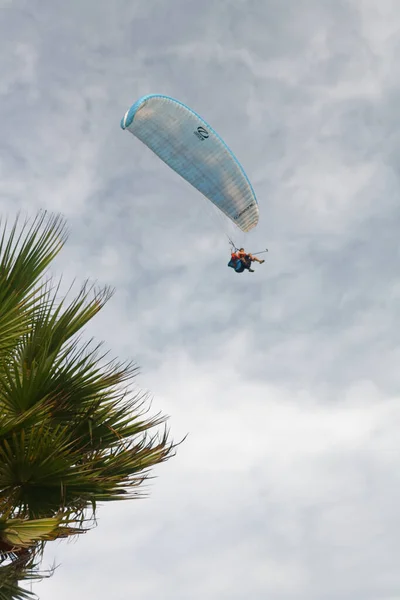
x: 187, y: 144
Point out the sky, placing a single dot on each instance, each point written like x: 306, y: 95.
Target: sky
x: 285, y: 380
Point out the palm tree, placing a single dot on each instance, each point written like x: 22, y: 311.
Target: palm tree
x: 72, y: 434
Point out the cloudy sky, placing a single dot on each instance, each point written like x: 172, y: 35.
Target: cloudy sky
x: 286, y: 380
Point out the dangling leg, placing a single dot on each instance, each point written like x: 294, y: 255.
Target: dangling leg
x: 247, y: 265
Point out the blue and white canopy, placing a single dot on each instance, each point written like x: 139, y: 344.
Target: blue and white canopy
x: 187, y: 144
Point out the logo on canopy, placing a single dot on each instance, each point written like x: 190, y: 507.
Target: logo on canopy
x: 201, y: 133
x: 237, y: 216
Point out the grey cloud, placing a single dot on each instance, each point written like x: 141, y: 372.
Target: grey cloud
x: 272, y: 494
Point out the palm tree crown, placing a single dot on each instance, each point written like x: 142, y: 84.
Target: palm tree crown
x: 72, y: 434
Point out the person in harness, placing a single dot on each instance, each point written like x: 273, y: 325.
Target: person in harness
x: 241, y: 260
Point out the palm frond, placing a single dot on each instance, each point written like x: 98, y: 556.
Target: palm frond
x: 25, y: 533
x: 24, y: 257
x: 21, y: 569
x: 10, y: 575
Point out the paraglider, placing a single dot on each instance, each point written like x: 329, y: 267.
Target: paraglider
x: 191, y: 147
x: 241, y: 260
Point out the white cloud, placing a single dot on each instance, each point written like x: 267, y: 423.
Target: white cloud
x: 265, y: 480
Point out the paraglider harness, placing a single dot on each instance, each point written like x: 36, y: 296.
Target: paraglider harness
x: 240, y: 264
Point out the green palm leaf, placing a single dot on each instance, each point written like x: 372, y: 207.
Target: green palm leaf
x: 24, y: 257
